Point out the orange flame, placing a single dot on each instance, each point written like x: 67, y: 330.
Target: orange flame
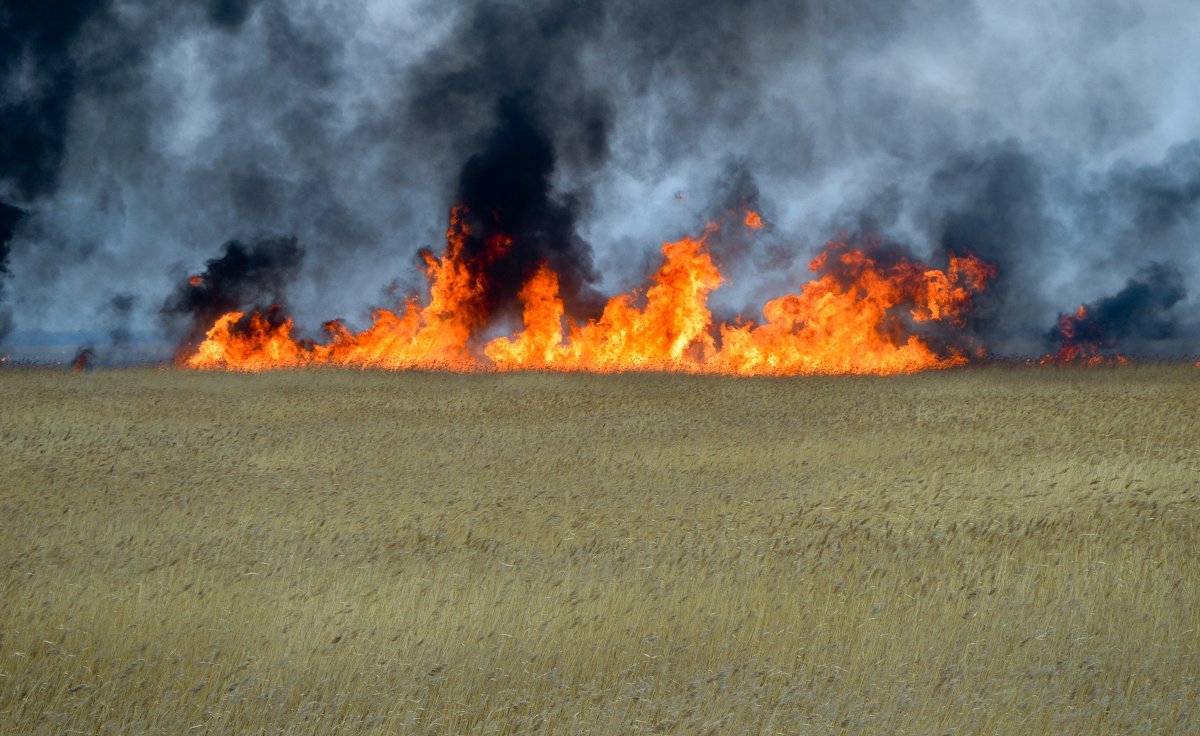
x: 849, y: 325
x: 753, y: 220
x: 433, y: 336
x: 856, y: 317
x: 249, y: 343
x: 669, y: 332
x: 195, y: 280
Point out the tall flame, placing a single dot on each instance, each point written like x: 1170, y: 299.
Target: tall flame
x: 668, y: 332
x: 858, y: 316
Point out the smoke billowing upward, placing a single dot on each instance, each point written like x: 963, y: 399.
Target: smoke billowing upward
x: 1139, y: 318
x: 9, y: 217
x: 252, y: 276
x: 515, y: 220
x: 38, y: 78
x: 119, y: 310
x: 1059, y: 144
x: 519, y: 69
x: 41, y: 77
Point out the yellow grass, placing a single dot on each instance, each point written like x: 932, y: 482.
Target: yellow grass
x: 980, y: 551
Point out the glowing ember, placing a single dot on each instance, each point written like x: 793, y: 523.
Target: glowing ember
x: 860, y: 315
x: 195, y: 280
x: 753, y: 220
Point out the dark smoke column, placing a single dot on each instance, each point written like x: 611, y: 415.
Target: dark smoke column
x: 515, y: 220
x: 1139, y: 320
x: 9, y: 217
x: 507, y: 96
x: 38, y: 81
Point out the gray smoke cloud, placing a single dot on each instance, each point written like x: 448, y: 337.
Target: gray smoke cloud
x: 1057, y: 140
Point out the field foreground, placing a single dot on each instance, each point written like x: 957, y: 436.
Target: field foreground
x: 994, y: 550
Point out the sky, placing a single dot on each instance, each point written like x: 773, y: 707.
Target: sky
x: 138, y: 139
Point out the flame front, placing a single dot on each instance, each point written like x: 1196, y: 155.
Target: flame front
x: 433, y: 336
x: 860, y: 315
x: 846, y: 320
x: 669, y: 331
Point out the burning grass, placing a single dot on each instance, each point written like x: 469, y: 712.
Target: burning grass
x: 994, y: 550
x: 858, y: 317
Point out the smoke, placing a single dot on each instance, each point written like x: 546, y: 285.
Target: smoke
x: 229, y: 15
x: 37, y: 82
x: 57, y: 60
x: 515, y: 221
x: 83, y: 360
x: 120, y: 309
x: 40, y: 78
x: 1052, y: 229
x: 519, y: 67
x: 252, y: 276
x: 9, y: 217
x: 1059, y: 143
x: 1139, y: 318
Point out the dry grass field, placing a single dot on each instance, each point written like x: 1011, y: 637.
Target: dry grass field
x: 993, y: 550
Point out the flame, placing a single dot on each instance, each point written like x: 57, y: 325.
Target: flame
x: 433, y: 336
x: 858, y: 316
x: 539, y: 345
x: 753, y: 220
x: 846, y: 320
x: 195, y: 280
x: 669, y: 332
x: 249, y: 343
x: 1077, y: 349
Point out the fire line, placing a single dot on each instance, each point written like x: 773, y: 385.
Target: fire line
x: 863, y: 313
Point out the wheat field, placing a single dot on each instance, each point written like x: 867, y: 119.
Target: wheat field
x: 983, y: 551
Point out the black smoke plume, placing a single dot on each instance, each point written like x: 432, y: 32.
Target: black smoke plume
x: 38, y: 68
x: 84, y: 359
x: 119, y: 311
x: 9, y: 217
x: 1137, y: 320
x: 59, y: 55
x: 515, y: 219
x: 251, y: 277
x: 229, y: 15
x: 519, y: 67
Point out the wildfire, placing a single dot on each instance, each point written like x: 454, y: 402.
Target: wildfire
x: 1083, y: 342
x: 668, y: 331
x: 847, y: 320
x: 861, y: 314
x: 753, y: 220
